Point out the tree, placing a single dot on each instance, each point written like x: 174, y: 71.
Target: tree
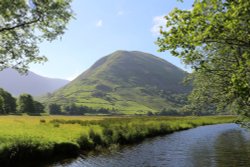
x: 54, y: 109
x: 26, y: 104
x: 72, y: 109
x: 169, y: 112
x: 149, y: 113
x: 1, y: 105
x: 213, y: 38
x: 25, y: 23
x: 39, y: 107
x: 7, y: 102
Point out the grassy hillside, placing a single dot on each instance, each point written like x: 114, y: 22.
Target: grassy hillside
x: 129, y: 82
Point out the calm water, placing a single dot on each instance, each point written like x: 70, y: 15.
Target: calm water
x: 225, y: 145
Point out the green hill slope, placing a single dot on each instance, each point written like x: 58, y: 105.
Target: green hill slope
x: 129, y: 82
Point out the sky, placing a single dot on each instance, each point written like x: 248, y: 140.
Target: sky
x: 102, y: 27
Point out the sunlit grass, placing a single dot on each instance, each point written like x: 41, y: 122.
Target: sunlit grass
x: 22, y: 137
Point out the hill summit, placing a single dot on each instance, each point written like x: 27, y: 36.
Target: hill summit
x: 128, y: 82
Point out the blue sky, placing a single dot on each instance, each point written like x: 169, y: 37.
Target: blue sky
x: 101, y: 27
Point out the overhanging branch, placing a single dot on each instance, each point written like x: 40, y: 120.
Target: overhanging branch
x: 20, y: 25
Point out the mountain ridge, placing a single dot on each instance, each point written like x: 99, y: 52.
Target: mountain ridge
x: 30, y: 83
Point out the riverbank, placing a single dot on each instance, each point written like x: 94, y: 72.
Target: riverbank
x: 221, y: 145
x: 41, y: 139
x: 244, y: 121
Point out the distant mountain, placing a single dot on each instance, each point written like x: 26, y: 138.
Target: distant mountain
x: 31, y: 83
x: 129, y: 82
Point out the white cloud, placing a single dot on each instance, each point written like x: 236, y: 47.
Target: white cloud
x: 158, y: 21
x: 99, y: 23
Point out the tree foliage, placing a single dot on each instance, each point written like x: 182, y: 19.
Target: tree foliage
x: 39, y: 107
x: 213, y: 38
x: 26, y: 104
x: 25, y: 23
x: 54, y: 109
x: 7, y: 102
x: 73, y: 109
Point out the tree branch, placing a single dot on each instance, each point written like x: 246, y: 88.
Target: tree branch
x: 226, y: 41
x: 21, y: 25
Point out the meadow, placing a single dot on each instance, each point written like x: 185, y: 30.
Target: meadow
x: 25, y: 138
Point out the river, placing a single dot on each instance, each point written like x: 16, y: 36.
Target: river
x: 224, y: 145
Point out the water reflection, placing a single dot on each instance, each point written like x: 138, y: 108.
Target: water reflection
x: 232, y: 149
x: 210, y: 146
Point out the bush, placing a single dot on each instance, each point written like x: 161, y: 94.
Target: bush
x: 85, y: 143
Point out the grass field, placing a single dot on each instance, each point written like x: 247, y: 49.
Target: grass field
x: 24, y: 138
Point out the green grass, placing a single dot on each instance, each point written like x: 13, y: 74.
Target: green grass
x: 24, y: 138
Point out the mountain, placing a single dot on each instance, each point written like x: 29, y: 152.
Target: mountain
x: 129, y: 82
x: 31, y: 83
